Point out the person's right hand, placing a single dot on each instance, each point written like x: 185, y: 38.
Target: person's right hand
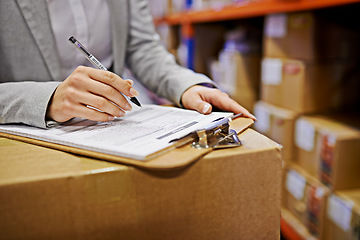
x: 86, y: 88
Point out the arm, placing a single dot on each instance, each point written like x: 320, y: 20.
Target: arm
x: 25, y: 81
x: 150, y: 62
x: 25, y: 102
x: 157, y: 69
x: 29, y: 66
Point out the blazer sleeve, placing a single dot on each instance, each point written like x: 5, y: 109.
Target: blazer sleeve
x: 25, y: 102
x: 25, y: 81
x: 150, y: 62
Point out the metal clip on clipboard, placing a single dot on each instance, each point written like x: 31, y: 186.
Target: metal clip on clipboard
x: 216, y: 135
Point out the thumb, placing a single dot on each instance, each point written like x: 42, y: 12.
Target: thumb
x: 201, y: 106
x: 192, y: 99
x: 205, y: 108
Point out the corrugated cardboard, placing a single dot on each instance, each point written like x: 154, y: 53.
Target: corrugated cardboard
x: 306, y: 87
x: 329, y: 149
x: 305, y: 198
x: 228, y: 194
x: 279, y: 125
x: 313, y: 35
x: 343, y: 216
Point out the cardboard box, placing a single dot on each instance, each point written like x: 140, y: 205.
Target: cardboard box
x: 292, y: 226
x: 312, y: 35
x: 240, y: 76
x: 343, y: 216
x: 279, y: 125
x: 306, y: 87
x: 228, y: 194
x: 329, y: 149
x: 305, y: 198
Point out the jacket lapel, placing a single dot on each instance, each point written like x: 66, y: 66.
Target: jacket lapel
x: 38, y: 20
x: 119, y: 30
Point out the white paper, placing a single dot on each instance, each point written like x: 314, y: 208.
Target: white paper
x: 340, y: 212
x: 304, y: 135
x: 295, y: 184
x: 276, y: 25
x: 271, y: 71
x: 141, y: 132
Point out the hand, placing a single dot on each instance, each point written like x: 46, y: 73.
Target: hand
x: 91, y: 87
x: 203, y: 99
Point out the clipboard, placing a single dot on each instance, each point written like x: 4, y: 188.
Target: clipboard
x: 184, y: 152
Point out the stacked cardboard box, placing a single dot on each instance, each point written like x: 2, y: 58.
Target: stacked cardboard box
x: 305, y: 197
x: 238, y: 76
x: 310, y: 68
x: 308, y: 87
x: 237, y: 70
x: 343, y: 215
x: 310, y: 62
x: 278, y: 124
x: 329, y: 149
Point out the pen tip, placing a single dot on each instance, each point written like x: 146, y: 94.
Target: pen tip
x: 134, y: 100
x: 72, y: 39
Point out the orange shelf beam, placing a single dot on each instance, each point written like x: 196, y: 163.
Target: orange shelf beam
x: 246, y: 10
x: 288, y: 232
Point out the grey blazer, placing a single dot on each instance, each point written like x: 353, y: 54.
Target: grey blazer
x: 30, y: 70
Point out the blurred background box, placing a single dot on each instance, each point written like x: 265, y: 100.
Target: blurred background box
x: 309, y: 87
x: 238, y: 75
x: 278, y: 124
x: 237, y: 70
x: 305, y: 198
x: 312, y: 35
x: 301, y: 232
x: 329, y: 149
x: 343, y: 215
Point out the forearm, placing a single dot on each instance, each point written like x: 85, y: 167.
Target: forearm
x: 151, y: 63
x: 25, y: 102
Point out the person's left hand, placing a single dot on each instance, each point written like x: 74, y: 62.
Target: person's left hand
x: 203, y: 99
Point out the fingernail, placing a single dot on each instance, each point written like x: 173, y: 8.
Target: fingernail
x: 127, y: 107
x: 130, y: 81
x: 253, y: 117
x: 133, y: 92
x: 121, y: 114
x: 205, y: 108
x: 111, y: 118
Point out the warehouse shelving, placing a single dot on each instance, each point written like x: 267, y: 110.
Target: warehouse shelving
x: 248, y: 9
x: 187, y: 20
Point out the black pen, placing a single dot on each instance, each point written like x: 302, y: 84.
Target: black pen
x: 96, y: 63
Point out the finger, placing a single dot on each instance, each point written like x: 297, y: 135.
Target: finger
x: 214, y: 97
x: 223, y: 101
x: 131, y: 82
x: 110, y: 93
x: 101, y: 104
x: 202, y: 106
x: 194, y: 101
x: 111, y: 79
x: 82, y: 111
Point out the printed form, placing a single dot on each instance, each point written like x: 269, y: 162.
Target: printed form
x: 142, y: 132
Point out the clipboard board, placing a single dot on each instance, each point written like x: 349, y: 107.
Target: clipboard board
x: 181, y: 155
